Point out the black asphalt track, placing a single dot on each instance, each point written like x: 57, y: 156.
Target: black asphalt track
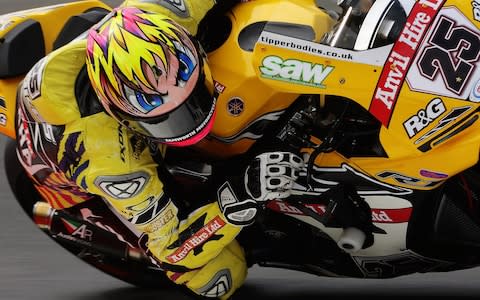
x: 33, y: 267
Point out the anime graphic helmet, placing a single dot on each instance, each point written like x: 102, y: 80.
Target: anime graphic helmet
x: 151, y: 76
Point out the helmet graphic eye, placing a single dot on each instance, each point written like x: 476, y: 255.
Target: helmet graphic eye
x: 186, y: 67
x: 141, y: 101
x: 149, y: 101
x: 187, y: 62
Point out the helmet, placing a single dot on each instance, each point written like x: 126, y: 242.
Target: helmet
x: 365, y: 24
x: 151, y: 76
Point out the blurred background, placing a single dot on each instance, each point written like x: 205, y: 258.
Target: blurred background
x: 34, y: 267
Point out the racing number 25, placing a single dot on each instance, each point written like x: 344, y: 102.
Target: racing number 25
x: 453, y: 52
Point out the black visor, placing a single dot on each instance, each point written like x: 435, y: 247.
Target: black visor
x: 181, y: 124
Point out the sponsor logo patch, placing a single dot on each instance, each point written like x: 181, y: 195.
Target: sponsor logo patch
x: 235, y: 106
x: 197, y: 239
x: 295, y: 71
x: 220, y: 88
x: 424, y: 117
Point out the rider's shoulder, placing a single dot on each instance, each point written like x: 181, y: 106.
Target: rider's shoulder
x: 49, y: 86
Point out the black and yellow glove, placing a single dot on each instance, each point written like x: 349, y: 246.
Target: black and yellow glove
x: 270, y: 176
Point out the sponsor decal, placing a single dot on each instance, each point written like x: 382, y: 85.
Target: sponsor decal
x: 476, y: 10
x: 122, y: 186
x: 424, y: 117
x: 306, y: 46
x: 3, y: 119
x: 400, y: 59
x: 197, y: 239
x: 433, y: 174
x: 405, y: 179
x: 220, y: 88
x: 235, y: 106
x: 199, y: 128
x: 452, y: 116
x: 393, y: 216
x: 84, y: 233
x: 295, y: 71
x: 375, y: 56
x: 25, y: 139
x: 31, y: 137
x: 160, y: 221
x: 31, y: 90
x: 77, y: 229
x: 138, y: 145
x: 34, y: 79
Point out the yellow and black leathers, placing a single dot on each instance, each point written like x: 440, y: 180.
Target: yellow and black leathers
x: 83, y: 152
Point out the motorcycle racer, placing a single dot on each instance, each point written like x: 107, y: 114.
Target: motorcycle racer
x: 354, y: 146
x: 108, y: 106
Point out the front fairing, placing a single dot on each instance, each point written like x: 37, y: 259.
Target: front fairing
x: 423, y: 89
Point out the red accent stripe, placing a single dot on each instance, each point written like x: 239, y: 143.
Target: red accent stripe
x: 394, y: 73
x: 379, y: 215
x: 175, y: 276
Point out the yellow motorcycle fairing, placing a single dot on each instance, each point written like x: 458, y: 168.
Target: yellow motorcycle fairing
x: 429, y: 132
x: 51, y: 19
x: 243, y: 98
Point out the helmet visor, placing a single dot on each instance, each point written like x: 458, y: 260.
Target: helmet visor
x: 184, y: 125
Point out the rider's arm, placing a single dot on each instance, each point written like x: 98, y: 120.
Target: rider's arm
x: 119, y: 168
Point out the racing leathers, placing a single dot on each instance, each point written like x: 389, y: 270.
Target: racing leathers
x: 75, y: 152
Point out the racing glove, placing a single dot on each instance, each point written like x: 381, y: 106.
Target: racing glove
x: 270, y: 176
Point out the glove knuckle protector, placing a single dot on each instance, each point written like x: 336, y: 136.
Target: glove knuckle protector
x: 236, y: 211
x: 271, y: 175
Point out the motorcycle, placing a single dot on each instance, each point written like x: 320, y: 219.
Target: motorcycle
x: 392, y: 155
